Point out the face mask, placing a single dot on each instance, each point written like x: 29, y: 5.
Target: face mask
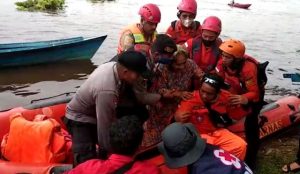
x: 208, y: 43
x: 187, y: 22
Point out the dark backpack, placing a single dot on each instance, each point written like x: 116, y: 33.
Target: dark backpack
x: 262, y: 78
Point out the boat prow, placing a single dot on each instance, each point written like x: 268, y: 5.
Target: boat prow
x: 274, y: 117
x: 20, y: 54
x: 239, y: 5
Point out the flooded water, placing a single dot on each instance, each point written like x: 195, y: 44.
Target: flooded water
x: 270, y: 30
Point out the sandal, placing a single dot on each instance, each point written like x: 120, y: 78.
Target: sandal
x: 287, y: 168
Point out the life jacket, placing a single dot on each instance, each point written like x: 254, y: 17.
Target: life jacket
x: 207, y: 118
x: 239, y: 85
x: 262, y: 77
x: 180, y: 36
x: 196, y: 54
x: 41, y: 141
x: 140, y: 43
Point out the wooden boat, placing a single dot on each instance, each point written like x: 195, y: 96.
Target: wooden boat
x: 239, y: 5
x: 273, y: 117
x: 39, y: 43
x: 47, y: 52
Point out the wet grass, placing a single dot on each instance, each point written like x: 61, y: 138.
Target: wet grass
x: 277, y: 151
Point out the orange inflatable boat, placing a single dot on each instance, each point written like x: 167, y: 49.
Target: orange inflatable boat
x: 55, y: 108
x: 273, y: 117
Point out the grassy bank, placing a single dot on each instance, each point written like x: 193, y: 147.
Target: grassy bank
x: 277, y: 151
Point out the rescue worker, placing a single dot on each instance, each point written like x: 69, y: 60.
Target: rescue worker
x: 210, y: 112
x: 182, y: 146
x: 93, y: 108
x: 186, y: 27
x: 240, y: 72
x: 204, y: 49
x: 141, y: 35
x: 125, y: 137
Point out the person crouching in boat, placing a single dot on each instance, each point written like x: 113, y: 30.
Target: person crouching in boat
x: 204, y: 49
x: 186, y: 27
x: 240, y: 71
x: 209, y: 110
x: 141, y: 35
x: 182, y: 146
x: 93, y: 108
x: 125, y: 137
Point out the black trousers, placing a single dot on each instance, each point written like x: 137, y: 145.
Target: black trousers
x: 84, y: 141
x: 252, y: 135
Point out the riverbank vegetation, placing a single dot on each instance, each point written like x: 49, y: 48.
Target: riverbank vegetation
x: 40, y: 5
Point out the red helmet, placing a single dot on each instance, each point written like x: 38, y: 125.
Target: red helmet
x: 150, y: 12
x: 212, y: 23
x: 188, y: 6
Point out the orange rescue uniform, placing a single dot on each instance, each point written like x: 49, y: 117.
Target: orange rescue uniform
x: 201, y: 119
x: 181, y: 34
x: 244, y: 81
x: 205, y: 57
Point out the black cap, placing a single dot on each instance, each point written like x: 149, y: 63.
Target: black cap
x: 215, y: 81
x: 134, y: 61
x: 164, y: 44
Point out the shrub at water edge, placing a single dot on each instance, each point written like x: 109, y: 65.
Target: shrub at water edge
x: 40, y: 5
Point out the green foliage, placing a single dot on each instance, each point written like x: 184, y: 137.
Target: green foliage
x: 40, y: 5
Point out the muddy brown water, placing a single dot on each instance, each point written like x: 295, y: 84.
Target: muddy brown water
x: 270, y: 30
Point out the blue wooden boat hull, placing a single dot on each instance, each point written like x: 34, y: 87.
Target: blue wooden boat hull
x: 39, y: 43
x: 74, y: 50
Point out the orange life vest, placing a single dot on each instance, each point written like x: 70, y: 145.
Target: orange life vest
x: 34, y: 141
x: 252, y: 88
x: 140, y: 43
x: 205, y: 59
x: 201, y: 115
x: 180, y: 35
